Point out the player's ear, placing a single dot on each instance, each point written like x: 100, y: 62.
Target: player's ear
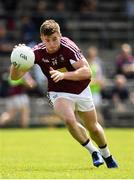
x: 41, y: 37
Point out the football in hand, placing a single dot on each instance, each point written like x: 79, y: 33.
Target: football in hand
x: 22, y: 57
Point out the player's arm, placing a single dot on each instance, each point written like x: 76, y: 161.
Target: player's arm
x: 82, y: 72
x: 29, y: 81
x: 15, y: 73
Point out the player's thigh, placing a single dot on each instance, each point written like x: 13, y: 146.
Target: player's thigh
x: 89, y: 118
x: 64, y: 108
x: 25, y: 110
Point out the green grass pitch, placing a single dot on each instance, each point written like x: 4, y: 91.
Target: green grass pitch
x: 50, y: 153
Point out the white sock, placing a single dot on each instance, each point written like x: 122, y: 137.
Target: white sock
x: 105, y: 152
x: 90, y: 147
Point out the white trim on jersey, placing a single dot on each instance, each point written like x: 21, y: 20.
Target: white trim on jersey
x: 73, y: 49
x: 39, y: 46
x: 72, y: 61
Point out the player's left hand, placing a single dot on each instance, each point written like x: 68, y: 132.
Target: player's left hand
x: 56, y: 75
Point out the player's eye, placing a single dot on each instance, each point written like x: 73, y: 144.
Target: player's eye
x: 54, y: 39
x: 47, y: 40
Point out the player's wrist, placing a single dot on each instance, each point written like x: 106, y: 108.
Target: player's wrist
x: 63, y: 76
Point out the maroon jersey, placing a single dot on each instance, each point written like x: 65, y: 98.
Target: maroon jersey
x: 60, y: 60
x: 16, y: 90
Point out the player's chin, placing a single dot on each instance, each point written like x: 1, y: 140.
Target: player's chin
x: 52, y: 50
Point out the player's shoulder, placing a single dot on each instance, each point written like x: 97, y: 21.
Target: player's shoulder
x: 68, y: 43
x: 39, y: 51
x: 39, y: 46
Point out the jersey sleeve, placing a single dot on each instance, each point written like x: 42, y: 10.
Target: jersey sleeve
x: 75, y: 54
x: 72, y: 49
x: 78, y: 55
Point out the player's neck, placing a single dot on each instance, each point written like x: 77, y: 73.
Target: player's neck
x: 53, y: 51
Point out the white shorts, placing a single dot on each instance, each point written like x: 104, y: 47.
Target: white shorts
x: 17, y: 101
x: 97, y: 99
x: 83, y: 101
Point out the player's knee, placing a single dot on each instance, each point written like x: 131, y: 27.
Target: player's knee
x: 94, y: 129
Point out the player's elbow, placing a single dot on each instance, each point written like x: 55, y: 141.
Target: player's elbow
x: 13, y: 77
x: 87, y: 73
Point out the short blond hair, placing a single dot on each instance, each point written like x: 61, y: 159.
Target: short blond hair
x: 126, y: 48
x: 49, y: 27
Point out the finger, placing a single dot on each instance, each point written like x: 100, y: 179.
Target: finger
x: 56, y: 79
x: 51, y: 72
x: 54, y: 75
x: 15, y: 47
x: 21, y: 45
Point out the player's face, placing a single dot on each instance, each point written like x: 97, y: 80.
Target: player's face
x: 52, y: 42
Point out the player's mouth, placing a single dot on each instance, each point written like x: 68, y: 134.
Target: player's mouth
x: 53, y: 49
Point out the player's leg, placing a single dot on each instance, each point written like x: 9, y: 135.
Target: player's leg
x: 10, y: 113
x: 7, y: 116
x: 97, y: 134
x: 95, y: 129
x: 24, y: 105
x: 25, y: 116
x: 65, y: 109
